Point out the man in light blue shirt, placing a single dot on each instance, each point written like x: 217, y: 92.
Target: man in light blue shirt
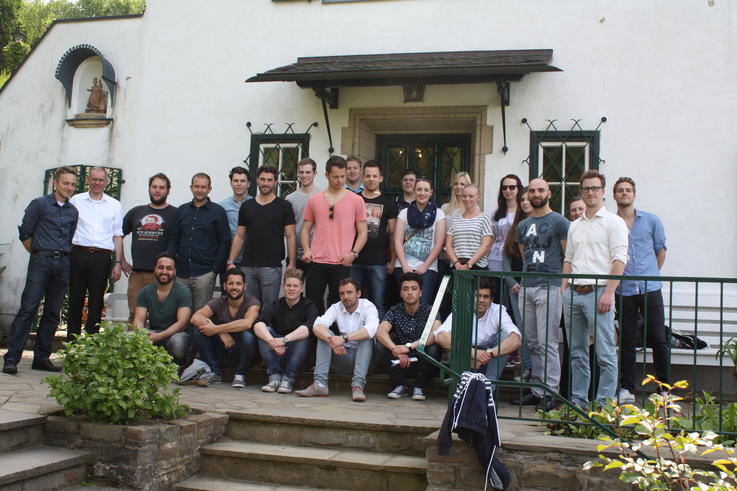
x: 353, y: 181
x: 240, y: 181
x: 640, y: 299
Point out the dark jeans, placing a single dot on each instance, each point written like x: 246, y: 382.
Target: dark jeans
x: 633, y: 307
x: 88, y: 277
x: 321, y: 276
x: 47, y: 279
x: 429, y: 282
x: 372, y: 278
x: 421, y: 370
x: 290, y: 363
x: 212, y: 350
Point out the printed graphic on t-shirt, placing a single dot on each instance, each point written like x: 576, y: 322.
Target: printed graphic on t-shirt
x: 151, y: 227
x: 374, y: 211
x: 418, y: 241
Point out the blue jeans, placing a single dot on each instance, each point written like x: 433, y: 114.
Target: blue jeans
x: 212, y: 350
x: 495, y: 367
x: 47, y: 279
x: 373, y: 276
x: 292, y: 360
x: 582, y: 316
x: 263, y: 283
x: 356, y: 361
x: 177, y: 345
x: 429, y: 281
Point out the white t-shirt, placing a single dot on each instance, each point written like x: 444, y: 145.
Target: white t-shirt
x: 496, y: 253
x: 419, y: 242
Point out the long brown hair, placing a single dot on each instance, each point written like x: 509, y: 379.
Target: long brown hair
x: 510, y: 244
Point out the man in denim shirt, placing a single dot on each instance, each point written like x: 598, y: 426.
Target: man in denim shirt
x: 46, y: 232
x: 640, y: 298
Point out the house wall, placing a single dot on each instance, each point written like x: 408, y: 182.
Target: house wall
x: 663, y: 73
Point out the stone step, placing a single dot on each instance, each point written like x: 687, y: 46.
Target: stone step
x: 20, y: 430
x: 309, y: 466
x: 365, y: 432
x: 211, y: 484
x: 42, y: 467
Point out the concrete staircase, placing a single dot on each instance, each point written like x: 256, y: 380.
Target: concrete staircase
x: 27, y: 465
x: 265, y: 451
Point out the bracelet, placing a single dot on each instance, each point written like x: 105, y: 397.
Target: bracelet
x: 118, y: 262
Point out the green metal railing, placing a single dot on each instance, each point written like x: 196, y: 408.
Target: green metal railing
x: 464, y: 328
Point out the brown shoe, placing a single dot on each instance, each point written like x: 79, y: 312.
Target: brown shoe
x: 314, y: 390
x: 358, y: 395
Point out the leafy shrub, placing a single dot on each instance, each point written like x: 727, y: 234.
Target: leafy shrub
x: 116, y: 376
x: 706, y: 415
x: 665, y: 465
x: 566, y: 422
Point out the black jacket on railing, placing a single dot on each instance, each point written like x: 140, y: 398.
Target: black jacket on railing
x: 472, y: 415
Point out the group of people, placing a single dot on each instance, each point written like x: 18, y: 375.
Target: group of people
x: 355, y: 246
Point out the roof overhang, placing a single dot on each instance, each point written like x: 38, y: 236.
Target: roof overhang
x: 450, y: 67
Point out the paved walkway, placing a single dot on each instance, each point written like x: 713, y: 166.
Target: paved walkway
x: 26, y: 393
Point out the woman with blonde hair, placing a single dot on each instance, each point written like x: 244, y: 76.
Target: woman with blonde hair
x: 454, y: 206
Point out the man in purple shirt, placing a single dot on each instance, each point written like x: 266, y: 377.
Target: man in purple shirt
x: 640, y: 299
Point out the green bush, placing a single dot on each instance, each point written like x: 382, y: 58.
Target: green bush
x: 566, y: 422
x: 116, y: 376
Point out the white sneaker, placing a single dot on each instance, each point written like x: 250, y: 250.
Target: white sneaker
x: 398, y: 392
x: 239, y: 381
x: 626, y: 397
x: 284, y: 387
x: 271, y: 386
x: 417, y: 394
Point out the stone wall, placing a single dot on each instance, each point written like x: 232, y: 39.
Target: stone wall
x: 532, y: 467
x: 145, y: 456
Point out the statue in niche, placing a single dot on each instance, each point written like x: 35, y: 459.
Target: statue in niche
x: 97, y: 102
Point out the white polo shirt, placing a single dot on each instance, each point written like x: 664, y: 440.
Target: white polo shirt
x: 488, y: 326
x: 594, y: 244
x: 99, y: 221
x: 365, y: 315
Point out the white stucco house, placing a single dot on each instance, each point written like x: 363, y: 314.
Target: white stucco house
x: 640, y: 89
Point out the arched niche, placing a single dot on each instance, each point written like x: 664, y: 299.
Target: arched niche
x: 83, y: 70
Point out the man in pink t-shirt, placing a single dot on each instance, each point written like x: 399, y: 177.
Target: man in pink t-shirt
x: 337, y: 220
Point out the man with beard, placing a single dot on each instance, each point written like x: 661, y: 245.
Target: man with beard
x: 151, y: 226
x: 224, y: 329
x: 202, y: 242
x: 168, y: 306
x: 542, y: 241
x: 264, y: 222
x: 640, y: 298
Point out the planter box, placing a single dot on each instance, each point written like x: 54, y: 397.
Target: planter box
x: 140, y: 456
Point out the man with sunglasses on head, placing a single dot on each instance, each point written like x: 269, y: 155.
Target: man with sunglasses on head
x: 596, y: 245
x: 337, y: 220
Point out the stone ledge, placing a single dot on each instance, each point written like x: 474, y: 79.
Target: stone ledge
x: 146, y: 456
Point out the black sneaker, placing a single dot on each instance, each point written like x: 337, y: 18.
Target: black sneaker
x: 547, y: 403
x: 529, y: 399
x: 10, y: 368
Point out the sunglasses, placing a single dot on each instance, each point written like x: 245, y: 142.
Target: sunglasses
x: 510, y: 187
x: 332, y: 212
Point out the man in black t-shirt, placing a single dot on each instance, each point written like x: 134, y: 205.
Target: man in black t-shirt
x: 223, y: 328
x: 377, y: 258
x: 151, y: 226
x: 267, y: 219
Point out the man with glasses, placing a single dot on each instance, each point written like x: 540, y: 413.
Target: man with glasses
x: 639, y: 298
x: 596, y: 245
x: 407, y: 196
x: 338, y: 219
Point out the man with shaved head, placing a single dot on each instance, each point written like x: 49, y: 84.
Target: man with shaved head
x: 542, y: 243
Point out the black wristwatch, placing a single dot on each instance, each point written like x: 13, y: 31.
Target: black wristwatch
x: 355, y: 253
x: 345, y: 337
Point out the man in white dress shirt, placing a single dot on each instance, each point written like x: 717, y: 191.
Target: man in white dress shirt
x: 495, y: 335
x: 97, y: 240
x: 357, y: 321
x: 596, y: 245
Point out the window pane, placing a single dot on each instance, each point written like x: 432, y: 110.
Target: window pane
x: 395, y: 166
x: 424, y: 159
x: 551, y: 162
x: 270, y: 156
x: 290, y: 157
x: 450, y: 164
x: 575, y: 162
